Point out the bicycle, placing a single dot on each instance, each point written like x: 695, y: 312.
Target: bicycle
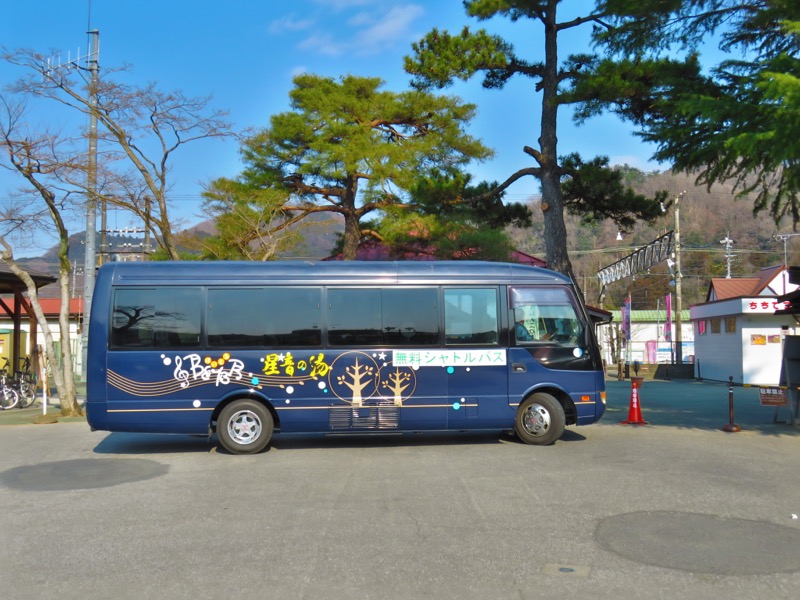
x: 25, y: 383
x: 9, y: 397
x: 18, y: 389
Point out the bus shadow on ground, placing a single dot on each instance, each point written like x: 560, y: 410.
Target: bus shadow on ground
x: 153, y: 443
x: 400, y: 440
x: 148, y: 443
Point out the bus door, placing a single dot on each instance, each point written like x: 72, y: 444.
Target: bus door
x: 397, y: 385
x: 473, y: 360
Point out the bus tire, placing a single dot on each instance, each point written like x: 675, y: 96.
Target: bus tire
x: 245, y: 427
x: 540, y: 420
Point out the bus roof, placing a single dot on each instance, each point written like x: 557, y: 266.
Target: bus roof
x: 325, y: 273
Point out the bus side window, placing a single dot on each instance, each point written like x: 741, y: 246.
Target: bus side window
x: 133, y: 318
x: 163, y: 317
x: 410, y: 316
x: 235, y: 316
x: 354, y: 317
x: 470, y: 316
x: 295, y: 317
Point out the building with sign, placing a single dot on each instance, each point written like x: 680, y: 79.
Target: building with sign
x: 736, y: 331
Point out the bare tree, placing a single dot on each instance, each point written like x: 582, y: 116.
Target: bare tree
x: 38, y: 159
x: 142, y: 125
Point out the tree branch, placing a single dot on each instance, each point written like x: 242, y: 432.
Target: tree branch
x: 596, y: 18
x: 531, y: 171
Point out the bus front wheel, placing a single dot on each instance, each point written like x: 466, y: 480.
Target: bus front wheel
x: 245, y: 427
x: 540, y: 420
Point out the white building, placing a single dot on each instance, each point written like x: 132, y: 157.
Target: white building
x: 648, y: 343
x: 736, y: 331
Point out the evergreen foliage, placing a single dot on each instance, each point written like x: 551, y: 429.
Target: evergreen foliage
x: 352, y: 148
x: 738, y: 121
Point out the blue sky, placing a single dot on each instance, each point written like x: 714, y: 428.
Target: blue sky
x: 244, y: 54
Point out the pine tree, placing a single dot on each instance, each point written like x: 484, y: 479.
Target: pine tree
x: 440, y: 58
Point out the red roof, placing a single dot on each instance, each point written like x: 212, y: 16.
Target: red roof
x: 738, y: 287
x: 52, y: 306
x: 723, y: 288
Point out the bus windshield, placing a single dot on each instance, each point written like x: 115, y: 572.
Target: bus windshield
x: 546, y: 314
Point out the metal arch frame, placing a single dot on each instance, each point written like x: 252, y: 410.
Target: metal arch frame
x: 638, y: 261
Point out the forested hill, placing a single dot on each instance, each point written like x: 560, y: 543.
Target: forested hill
x: 706, y: 218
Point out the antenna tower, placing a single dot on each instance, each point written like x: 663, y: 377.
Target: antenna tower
x: 91, y: 63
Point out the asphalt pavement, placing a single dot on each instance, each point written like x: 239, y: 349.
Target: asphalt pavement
x: 676, y: 508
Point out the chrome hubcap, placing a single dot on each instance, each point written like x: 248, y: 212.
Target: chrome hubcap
x: 244, y: 427
x: 536, y: 420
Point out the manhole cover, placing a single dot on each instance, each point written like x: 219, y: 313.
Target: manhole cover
x: 701, y: 543
x: 81, y: 474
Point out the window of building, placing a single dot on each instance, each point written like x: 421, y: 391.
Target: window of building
x: 714, y: 324
x: 701, y: 327
x: 730, y: 324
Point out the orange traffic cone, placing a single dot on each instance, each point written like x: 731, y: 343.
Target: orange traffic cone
x: 635, y: 408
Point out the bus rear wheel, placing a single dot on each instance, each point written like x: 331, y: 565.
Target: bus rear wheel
x: 540, y: 420
x: 245, y: 427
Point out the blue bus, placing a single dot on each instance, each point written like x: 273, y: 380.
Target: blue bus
x: 246, y: 349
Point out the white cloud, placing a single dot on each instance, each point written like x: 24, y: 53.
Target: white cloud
x: 324, y: 44
x: 289, y: 23
x: 372, y: 33
x: 362, y: 19
x: 393, y: 27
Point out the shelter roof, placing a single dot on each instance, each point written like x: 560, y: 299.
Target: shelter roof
x: 10, y: 283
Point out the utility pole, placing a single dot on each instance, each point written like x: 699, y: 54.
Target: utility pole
x: 90, y: 260
x: 785, y: 237
x: 147, y: 205
x: 678, y: 275
x: 728, y: 254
